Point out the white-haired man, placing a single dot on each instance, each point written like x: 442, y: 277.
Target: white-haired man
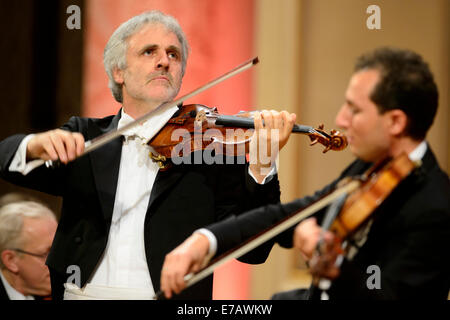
x: 120, y: 214
x: 27, y: 229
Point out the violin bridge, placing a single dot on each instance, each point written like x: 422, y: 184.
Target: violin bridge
x: 201, y: 117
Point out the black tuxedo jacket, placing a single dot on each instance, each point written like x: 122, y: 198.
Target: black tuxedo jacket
x: 408, y: 240
x: 183, y: 199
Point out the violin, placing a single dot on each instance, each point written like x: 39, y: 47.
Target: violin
x: 355, y: 199
x: 197, y: 127
x: 100, y: 141
x: 379, y: 182
x: 195, y: 119
x: 351, y: 211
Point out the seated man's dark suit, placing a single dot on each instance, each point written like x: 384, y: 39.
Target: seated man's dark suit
x: 183, y: 199
x: 3, y: 294
x: 408, y: 239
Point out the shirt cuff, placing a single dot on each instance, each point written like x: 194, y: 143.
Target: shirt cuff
x: 19, y: 162
x: 212, y: 242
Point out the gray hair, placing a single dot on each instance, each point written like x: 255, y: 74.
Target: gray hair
x: 114, y: 55
x: 11, y: 222
x: 16, y: 197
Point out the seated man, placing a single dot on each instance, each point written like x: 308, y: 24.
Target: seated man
x: 16, y: 197
x: 27, y: 229
x: 390, y: 104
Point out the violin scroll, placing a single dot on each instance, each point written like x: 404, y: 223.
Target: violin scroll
x: 335, y: 140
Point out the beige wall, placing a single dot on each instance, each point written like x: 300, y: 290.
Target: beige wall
x: 307, y: 50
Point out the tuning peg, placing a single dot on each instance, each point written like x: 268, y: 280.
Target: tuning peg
x: 328, y: 147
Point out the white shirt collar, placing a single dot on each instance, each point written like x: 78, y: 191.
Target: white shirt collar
x: 418, y: 152
x: 12, y: 293
x: 149, y: 128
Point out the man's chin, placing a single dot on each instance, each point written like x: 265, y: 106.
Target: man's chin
x: 359, y: 154
x: 161, y: 98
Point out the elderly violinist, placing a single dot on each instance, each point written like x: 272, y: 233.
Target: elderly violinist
x: 121, y: 215
x: 390, y: 104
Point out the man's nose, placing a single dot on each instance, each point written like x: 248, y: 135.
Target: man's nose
x: 163, y: 61
x: 342, y: 118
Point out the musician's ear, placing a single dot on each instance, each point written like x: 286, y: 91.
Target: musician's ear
x: 118, y: 75
x: 9, y: 260
x: 398, y: 120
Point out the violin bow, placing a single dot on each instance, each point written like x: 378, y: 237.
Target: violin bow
x: 320, y: 285
x: 251, y: 244
x: 99, y: 141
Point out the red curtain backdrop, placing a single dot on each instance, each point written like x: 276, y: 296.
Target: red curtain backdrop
x: 220, y: 34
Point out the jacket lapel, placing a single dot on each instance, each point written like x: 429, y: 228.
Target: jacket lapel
x: 105, y: 165
x: 164, y: 180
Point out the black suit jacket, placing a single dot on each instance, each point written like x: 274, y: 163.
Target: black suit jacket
x: 3, y: 294
x: 182, y: 200
x: 408, y: 240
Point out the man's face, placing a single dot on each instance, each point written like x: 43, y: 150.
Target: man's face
x: 38, y: 236
x: 366, y: 129
x: 154, y: 62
